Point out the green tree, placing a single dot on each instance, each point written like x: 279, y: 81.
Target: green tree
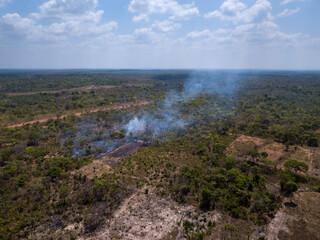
x: 296, y: 165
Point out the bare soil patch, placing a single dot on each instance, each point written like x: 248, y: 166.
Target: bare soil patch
x: 148, y: 216
x: 277, y: 151
x: 95, y: 169
x: 106, y: 163
x: 297, y: 219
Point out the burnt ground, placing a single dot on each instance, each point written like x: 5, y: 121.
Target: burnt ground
x: 121, y: 152
x: 105, y: 163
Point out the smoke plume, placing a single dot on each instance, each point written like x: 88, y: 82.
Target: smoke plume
x: 198, y: 82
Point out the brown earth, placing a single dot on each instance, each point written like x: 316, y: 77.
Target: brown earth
x: 149, y: 216
x: 95, y: 169
x: 276, y: 151
x: 105, y: 163
x: 297, y: 219
x: 124, y: 105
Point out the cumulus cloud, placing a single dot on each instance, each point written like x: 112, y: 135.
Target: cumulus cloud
x: 288, y: 12
x: 66, y: 19
x: 62, y: 9
x: 254, y: 25
x: 176, y: 10
x: 247, y: 34
x: 228, y: 9
x: 144, y: 35
x: 165, y: 26
x: 237, y: 12
x: 4, y: 2
x: 286, y: 1
x: 140, y: 18
x: 290, y: 1
x: 13, y: 25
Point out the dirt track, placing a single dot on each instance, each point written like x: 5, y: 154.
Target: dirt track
x: 125, y: 105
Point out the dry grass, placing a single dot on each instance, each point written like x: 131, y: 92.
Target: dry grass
x: 276, y: 151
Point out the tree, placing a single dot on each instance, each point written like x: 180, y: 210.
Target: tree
x: 253, y: 153
x: 313, y: 141
x: 290, y: 187
x: 296, y: 165
x: 206, y: 200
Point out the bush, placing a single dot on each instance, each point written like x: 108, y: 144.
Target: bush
x: 21, y: 179
x: 296, y: 165
x: 290, y: 187
x: 206, y: 199
x: 240, y: 212
x: 253, y: 153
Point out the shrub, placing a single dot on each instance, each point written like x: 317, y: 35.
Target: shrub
x: 296, y: 165
x: 290, y: 187
x: 253, y: 153
x: 206, y: 199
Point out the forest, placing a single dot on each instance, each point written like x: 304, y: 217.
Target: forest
x: 239, y: 144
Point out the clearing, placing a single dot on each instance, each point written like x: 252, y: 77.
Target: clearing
x: 277, y: 152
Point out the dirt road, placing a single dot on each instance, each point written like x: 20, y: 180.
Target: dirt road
x: 124, y: 105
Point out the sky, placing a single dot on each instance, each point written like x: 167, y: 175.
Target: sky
x: 160, y: 34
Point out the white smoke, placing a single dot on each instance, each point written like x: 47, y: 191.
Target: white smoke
x: 198, y: 82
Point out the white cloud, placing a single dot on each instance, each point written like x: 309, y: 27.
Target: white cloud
x: 62, y: 9
x: 178, y: 11
x: 140, y: 18
x: 288, y: 12
x: 165, y: 26
x: 4, y: 2
x: 144, y: 36
x: 67, y: 19
x: 199, y: 34
x: 237, y: 12
x: 290, y: 1
x: 14, y: 26
x: 229, y: 8
x: 286, y: 1
x: 254, y: 25
x: 263, y: 33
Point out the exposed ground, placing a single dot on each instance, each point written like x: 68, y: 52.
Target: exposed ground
x: 96, y: 168
x: 297, y: 219
x: 276, y: 151
x: 146, y: 215
x: 105, y: 163
x: 124, y: 105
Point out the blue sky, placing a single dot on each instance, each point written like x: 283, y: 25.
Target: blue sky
x: 220, y: 34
